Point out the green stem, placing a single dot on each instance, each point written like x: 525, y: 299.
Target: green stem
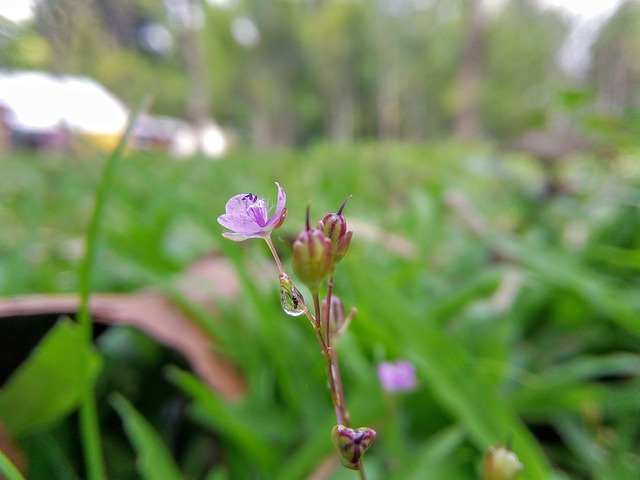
x: 89, y: 426
x: 335, y: 367
x: 276, y: 257
x: 326, y: 352
x: 363, y: 475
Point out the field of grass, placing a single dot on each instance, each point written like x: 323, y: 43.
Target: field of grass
x: 518, y: 305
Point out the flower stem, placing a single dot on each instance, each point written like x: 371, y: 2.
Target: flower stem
x: 363, y: 475
x: 335, y: 367
x: 326, y: 352
x: 276, y: 257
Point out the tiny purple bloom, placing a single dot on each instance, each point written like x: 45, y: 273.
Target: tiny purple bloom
x: 399, y: 376
x: 247, y: 216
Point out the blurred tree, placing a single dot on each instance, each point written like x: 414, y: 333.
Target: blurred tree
x: 615, y: 70
x: 469, y: 78
x: 417, y: 56
x: 24, y: 48
x: 520, y: 69
x: 332, y: 35
x: 286, y: 72
x: 389, y: 19
x: 275, y: 75
x: 227, y: 63
x: 73, y: 31
x: 187, y: 19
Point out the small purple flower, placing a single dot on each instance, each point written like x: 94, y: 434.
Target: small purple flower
x: 398, y: 376
x: 247, y: 216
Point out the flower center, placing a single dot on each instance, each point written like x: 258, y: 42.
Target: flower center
x: 256, y: 209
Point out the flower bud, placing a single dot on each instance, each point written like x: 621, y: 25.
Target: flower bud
x: 339, y: 320
x: 501, y: 464
x: 352, y: 443
x: 312, y: 257
x: 334, y: 227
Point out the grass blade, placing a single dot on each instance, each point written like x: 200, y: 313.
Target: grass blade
x: 154, y: 459
x: 89, y: 426
x: 8, y: 469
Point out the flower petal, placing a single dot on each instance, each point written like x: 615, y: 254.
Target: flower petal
x: 240, y: 223
x: 280, y: 206
x: 237, y: 205
x: 238, y: 237
x: 246, y: 216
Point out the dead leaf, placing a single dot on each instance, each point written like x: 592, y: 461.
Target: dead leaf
x: 11, y: 450
x: 207, y: 280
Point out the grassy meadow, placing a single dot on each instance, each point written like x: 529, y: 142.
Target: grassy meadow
x: 513, y: 289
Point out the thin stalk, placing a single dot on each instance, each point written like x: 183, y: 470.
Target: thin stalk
x: 326, y: 352
x: 337, y: 380
x: 327, y: 313
x: 335, y: 369
x: 89, y: 426
x: 363, y: 475
x: 276, y: 257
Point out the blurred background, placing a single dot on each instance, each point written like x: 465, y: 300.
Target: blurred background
x: 492, y: 151
x: 287, y: 74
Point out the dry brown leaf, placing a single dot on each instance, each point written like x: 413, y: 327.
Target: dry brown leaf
x: 11, y: 450
x: 207, y: 280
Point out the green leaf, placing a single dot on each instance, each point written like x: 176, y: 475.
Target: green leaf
x: 226, y: 422
x: 562, y: 271
x: 154, y: 459
x: 434, y: 455
x: 8, y: 469
x: 453, y: 375
x: 49, y: 384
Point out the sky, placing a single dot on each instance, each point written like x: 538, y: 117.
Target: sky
x: 584, y: 9
x: 16, y: 10
x: 587, y: 16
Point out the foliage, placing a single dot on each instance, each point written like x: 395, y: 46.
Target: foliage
x: 507, y: 83
x: 519, y: 310
x: 617, y: 49
x: 339, y: 70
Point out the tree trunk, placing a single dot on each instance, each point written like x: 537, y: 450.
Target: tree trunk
x: 186, y: 17
x: 467, y: 122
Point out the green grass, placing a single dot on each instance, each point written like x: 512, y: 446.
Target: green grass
x: 555, y: 370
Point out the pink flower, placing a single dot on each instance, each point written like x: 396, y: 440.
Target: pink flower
x: 399, y: 376
x: 247, y: 216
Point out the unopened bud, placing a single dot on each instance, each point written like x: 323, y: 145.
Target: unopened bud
x: 334, y: 227
x: 501, y: 464
x: 352, y: 443
x: 312, y: 257
x: 339, y: 320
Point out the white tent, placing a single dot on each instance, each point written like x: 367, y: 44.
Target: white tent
x: 39, y: 102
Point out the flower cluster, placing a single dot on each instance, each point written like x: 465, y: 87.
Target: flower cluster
x: 316, y: 255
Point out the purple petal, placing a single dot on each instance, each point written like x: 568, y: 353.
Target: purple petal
x: 282, y: 203
x: 240, y: 223
x: 238, y: 237
x: 246, y: 216
x: 237, y: 205
x: 397, y: 376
